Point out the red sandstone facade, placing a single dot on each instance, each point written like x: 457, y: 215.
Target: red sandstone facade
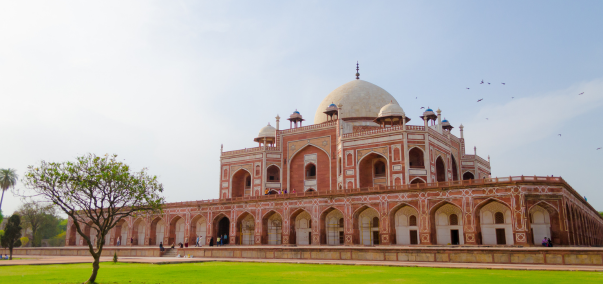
x: 367, y: 178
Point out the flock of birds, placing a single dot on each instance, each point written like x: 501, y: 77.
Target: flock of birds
x: 482, y: 82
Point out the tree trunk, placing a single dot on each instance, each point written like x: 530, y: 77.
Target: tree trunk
x: 95, y: 268
x: 2, y: 199
x: 10, y: 249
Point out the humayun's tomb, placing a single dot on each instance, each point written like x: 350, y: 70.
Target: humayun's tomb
x: 364, y: 175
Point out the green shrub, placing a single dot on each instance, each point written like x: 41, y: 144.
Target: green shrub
x: 24, y: 241
x: 115, y: 257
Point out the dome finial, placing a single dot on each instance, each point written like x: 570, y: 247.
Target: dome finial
x: 357, y: 69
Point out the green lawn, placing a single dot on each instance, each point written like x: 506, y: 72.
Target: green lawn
x: 233, y: 272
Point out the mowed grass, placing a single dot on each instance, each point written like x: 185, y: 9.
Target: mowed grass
x: 236, y: 272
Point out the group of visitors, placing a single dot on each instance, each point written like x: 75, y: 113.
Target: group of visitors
x: 268, y: 191
x: 5, y: 257
x: 220, y: 240
x: 199, y: 242
x: 546, y: 242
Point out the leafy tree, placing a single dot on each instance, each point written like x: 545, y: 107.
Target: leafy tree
x: 36, y: 216
x: 12, y: 234
x: 95, y: 191
x: 8, y: 179
x: 600, y: 213
x: 24, y: 241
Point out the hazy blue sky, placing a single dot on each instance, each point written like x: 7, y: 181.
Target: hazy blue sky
x: 163, y: 84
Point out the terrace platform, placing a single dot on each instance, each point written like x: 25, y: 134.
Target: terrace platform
x: 556, y: 258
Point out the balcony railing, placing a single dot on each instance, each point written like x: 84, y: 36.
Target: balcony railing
x: 382, y: 189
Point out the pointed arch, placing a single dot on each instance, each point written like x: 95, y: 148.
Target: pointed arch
x: 416, y: 157
x: 443, y: 231
x: 272, y: 228
x: 440, y: 167
x: 367, y: 176
x: 297, y: 164
x: 331, y: 230
x: 300, y: 230
x: 490, y: 230
x: 403, y: 234
x: 240, y: 183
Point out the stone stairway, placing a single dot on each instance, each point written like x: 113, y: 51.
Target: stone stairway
x: 170, y: 252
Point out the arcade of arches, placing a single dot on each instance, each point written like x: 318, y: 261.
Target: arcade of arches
x: 490, y: 222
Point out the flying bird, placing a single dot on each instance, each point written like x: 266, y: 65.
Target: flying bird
x: 488, y: 83
x: 416, y: 98
x: 599, y: 148
x: 486, y: 118
x: 422, y: 107
x: 512, y: 97
x: 482, y: 82
x: 559, y: 135
x: 480, y: 100
x: 467, y: 88
x: 503, y: 83
x: 580, y: 93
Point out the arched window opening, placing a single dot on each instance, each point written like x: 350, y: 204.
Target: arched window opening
x: 349, y: 160
x: 412, y: 221
x: 247, y: 182
x: 379, y: 169
x: 455, y: 175
x: 273, y: 174
x: 257, y: 170
x: 375, y: 222
x: 468, y: 176
x: 311, y: 171
x: 454, y: 220
x: 415, y: 158
x: 499, y: 218
x: 440, y: 170
x: 397, y: 154
x: 417, y: 180
x: 310, y: 190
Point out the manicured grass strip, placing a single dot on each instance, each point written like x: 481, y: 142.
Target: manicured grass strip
x: 236, y: 272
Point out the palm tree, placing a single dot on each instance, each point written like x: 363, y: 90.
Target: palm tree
x: 8, y: 178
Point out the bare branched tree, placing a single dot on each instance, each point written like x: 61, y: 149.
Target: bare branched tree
x: 33, y: 214
x: 97, y: 192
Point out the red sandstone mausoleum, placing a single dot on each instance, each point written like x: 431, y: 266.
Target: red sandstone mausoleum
x: 362, y: 174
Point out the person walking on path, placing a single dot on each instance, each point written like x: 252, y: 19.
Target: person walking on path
x: 161, y: 247
x: 225, y: 239
x: 218, y: 241
x: 197, y: 241
x: 118, y: 241
x: 200, y: 241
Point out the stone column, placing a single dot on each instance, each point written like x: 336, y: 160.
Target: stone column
x: 425, y: 221
x: 469, y: 225
x: 348, y: 225
x: 384, y: 226
x: 519, y: 217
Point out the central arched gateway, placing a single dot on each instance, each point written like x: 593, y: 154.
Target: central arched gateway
x: 222, y: 228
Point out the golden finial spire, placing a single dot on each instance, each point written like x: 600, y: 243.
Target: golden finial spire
x: 357, y: 69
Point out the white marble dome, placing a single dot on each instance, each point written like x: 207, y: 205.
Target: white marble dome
x: 360, y: 99
x: 391, y: 109
x: 267, y: 131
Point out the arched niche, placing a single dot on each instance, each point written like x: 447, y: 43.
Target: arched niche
x: 496, y: 224
x: 406, y: 222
